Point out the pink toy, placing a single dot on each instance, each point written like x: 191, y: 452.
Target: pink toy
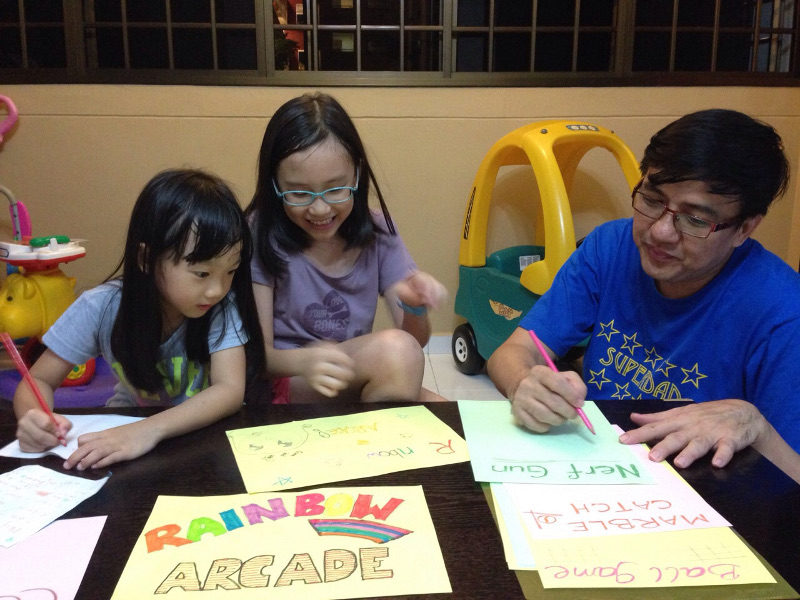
x: 7, y: 123
x: 19, y: 214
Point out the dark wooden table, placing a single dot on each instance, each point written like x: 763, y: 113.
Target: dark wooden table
x: 759, y: 500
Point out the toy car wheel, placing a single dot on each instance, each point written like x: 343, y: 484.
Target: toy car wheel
x: 465, y: 351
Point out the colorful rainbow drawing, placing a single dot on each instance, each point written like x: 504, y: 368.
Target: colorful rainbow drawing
x: 380, y: 533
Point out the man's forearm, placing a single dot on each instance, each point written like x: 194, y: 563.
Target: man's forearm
x: 775, y: 449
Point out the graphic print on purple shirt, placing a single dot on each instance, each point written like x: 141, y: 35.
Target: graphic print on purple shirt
x: 306, y: 311
x: 329, y: 320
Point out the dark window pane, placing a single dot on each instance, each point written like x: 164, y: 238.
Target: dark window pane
x: 512, y: 52
x: 380, y: 12
x: 337, y: 12
x: 597, y: 12
x: 107, y: 10
x: 192, y: 49
x: 148, y: 48
x: 423, y: 51
x: 556, y: 12
x: 46, y: 47
x: 651, y: 51
x: 43, y: 11
x: 766, y: 13
x: 422, y: 12
x: 235, y: 11
x: 654, y: 12
x: 337, y: 51
x: 304, y: 54
x: 733, y: 51
x: 553, y: 52
x: 471, y: 52
x: 787, y: 16
x: 696, y: 12
x: 737, y: 13
x: 236, y: 49
x: 783, y: 53
x: 774, y: 53
x: 513, y: 13
x: 9, y: 12
x: 10, y: 48
x: 693, y: 51
x: 110, y: 48
x: 380, y: 51
x: 190, y: 11
x: 594, y: 51
x: 473, y: 13
x: 154, y: 11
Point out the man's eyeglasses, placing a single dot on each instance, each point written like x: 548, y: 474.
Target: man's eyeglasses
x: 683, y: 222
x: 335, y: 195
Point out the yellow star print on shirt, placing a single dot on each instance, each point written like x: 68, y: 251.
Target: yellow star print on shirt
x: 693, y: 376
x: 630, y: 343
x: 666, y: 367
x: 622, y: 392
x: 652, y: 357
x: 607, y: 330
x: 598, y: 378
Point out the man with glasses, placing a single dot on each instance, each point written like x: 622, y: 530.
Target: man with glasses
x: 678, y: 303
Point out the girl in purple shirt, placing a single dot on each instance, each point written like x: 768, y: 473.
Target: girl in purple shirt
x: 322, y: 260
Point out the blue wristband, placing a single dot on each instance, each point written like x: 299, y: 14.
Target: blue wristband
x: 417, y: 311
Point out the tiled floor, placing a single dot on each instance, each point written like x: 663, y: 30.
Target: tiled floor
x: 442, y: 377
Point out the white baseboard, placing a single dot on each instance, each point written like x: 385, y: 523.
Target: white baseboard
x: 439, y: 344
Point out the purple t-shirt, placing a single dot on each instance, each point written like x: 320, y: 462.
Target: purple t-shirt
x: 309, y: 305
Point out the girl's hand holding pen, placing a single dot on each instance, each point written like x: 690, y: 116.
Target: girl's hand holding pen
x: 38, y: 431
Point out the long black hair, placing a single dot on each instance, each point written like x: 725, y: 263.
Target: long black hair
x: 176, y: 208
x: 299, y: 124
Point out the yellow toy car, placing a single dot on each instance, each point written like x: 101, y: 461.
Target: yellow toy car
x: 494, y: 292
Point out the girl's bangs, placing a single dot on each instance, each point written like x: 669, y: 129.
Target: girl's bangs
x: 208, y: 235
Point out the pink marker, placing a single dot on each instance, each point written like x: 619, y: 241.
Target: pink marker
x: 552, y: 365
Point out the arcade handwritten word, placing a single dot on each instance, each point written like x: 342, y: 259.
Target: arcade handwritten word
x: 233, y: 574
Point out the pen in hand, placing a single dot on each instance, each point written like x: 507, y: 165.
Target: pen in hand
x: 552, y: 365
x: 26, y: 374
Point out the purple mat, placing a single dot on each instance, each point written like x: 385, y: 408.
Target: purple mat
x: 95, y: 393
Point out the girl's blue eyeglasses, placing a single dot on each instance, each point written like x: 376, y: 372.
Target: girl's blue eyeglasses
x: 335, y: 195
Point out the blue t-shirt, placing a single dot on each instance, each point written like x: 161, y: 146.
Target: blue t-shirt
x: 83, y: 331
x: 737, y: 337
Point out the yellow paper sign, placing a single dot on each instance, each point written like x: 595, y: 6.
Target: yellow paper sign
x: 328, y: 449
x: 320, y: 544
x: 713, y: 556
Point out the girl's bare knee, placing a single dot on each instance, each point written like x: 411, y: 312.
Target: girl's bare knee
x: 397, y: 365
x: 400, y: 351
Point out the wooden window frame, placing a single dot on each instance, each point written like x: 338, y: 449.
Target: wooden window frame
x: 620, y: 74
